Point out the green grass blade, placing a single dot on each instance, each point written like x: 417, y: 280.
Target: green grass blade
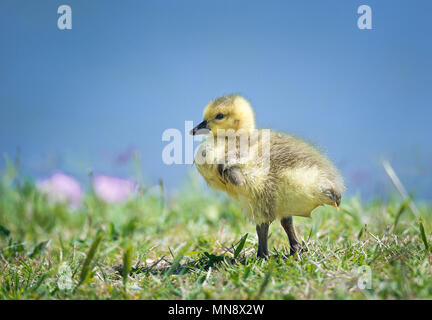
x: 423, y: 235
x: 127, y: 264
x: 176, y: 261
x: 4, y: 231
x: 39, y: 248
x: 360, y: 233
x: 90, y: 255
x: 240, y: 246
x: 401, y: 210
x: 264, y: 284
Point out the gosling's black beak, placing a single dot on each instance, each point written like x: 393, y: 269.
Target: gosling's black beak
x: 200, y: 129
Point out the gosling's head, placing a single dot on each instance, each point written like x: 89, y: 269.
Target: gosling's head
x: 224, y: 113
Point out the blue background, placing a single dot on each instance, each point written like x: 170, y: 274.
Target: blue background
x: 86, y: 98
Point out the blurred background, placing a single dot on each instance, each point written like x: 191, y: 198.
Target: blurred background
x: 94, y: 97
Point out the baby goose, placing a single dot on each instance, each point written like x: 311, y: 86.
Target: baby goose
x: 295, y: 180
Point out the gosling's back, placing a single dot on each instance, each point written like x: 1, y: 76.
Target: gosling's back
x: 303, y: 178
x: 298, y: 180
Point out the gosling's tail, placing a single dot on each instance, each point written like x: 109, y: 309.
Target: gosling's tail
x: 334, y: 197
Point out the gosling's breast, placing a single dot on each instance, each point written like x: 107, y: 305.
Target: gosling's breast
x: 209, y: 156
x: 206, y: 163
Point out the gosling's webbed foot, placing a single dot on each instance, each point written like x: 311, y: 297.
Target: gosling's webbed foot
x: 294, y: 249
x: 291, y: 254
x: 297, y: 248
x: 262, y: 255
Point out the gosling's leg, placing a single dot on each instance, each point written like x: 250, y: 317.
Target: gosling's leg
x: 288, y: 225
x: 262, y: 231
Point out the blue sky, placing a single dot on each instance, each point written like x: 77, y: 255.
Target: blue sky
x: 75, y: 100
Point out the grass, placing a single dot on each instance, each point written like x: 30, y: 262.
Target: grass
x: 198, y: 245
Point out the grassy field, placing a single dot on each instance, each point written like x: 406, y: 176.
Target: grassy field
x: 198, y: 245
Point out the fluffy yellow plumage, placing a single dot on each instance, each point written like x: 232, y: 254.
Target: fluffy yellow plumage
x: 275, y: 177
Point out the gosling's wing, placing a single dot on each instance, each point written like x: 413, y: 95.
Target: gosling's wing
x: 232, y: 173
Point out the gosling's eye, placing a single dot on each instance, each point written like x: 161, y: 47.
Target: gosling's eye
x: 219, y: 116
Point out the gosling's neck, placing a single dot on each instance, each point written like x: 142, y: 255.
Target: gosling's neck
x: 245, y: 130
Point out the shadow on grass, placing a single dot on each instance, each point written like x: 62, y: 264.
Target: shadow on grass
x: 204, y: 262
x: 163, y: 267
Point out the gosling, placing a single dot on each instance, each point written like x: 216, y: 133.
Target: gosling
x: 295, y: 180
